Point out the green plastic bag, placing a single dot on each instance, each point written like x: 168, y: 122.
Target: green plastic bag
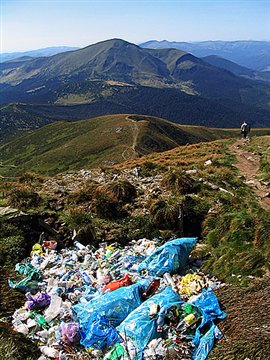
x: 29, y: 283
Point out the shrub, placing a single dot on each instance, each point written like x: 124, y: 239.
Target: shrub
x: 31, y: 178
x: 105, y: 205
x: 149, y: 168
x: 81, y: 220
x: 141, y: 227
x: 195, y: 210
x: 12, y: 244
x: 165, y: 213
x: 123, y: 190
x: 23, y: 197
x: 83, y: 195
x: 179, y: 182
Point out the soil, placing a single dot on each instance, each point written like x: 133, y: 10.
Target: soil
x: 247, y: 327
x: 248, y: 165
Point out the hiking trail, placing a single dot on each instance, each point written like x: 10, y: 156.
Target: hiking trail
x: 130, y: 152
x: 248, y: 165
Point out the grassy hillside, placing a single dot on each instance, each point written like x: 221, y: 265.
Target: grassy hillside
x: 117, y: 203
x: 117, y: 77
x: 100, y: 141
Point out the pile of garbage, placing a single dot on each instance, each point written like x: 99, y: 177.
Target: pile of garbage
x: 113, y: 303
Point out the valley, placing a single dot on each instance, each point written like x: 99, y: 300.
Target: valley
x: 114, y: 143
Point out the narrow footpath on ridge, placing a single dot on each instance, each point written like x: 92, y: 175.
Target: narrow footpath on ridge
x: 130, y: 152
x: 246, y: 329
x: 248, y: 165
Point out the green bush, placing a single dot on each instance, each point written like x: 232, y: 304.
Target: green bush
x: 85, y: 194
x: 81, y: 220
x: 149, y: 168
x: 139, y: 227
x: 12, y: 244
x: 165, y: 213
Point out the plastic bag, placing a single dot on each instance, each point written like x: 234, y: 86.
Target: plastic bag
x: 207, y: 343
x: 139, y: 327
x: 39, y: 301
x: 207, y: 304
x: 99, y: 335
x: 115, y: 305
x: 70, y: 333
x: 31, y: 278
x: 171, y: 257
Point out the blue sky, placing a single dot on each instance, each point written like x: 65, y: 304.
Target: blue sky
x: 33, y: 24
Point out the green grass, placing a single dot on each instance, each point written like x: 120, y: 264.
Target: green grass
x: 64, y: 146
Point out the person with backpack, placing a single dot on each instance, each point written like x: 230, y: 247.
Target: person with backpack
x: 244, y: 129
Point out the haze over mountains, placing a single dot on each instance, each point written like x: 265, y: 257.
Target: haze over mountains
x: 116, y: 76
x: 36, y: 53
x: 251, y: 54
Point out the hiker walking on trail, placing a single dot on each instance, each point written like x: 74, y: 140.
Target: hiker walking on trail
x: 244, y: 129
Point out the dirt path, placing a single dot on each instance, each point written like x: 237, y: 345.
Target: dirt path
x: 130, y: 152
x: 248, y: 166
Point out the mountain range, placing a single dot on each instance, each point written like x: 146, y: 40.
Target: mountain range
x: 115, y: 76
x: 251, y: 54
x: 49, y: 51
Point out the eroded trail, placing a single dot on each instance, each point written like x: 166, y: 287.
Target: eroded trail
x: 130, y: 152
x: 248, y: 165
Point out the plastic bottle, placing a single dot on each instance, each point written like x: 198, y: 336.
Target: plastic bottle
x: 152, y: 288
x: 86, y: 279
x: 169, y: 279
x: 79, y: 245
x: 20, y: 327
x: 39, y: 319
x: 188, y: 321
x: 161, y: 319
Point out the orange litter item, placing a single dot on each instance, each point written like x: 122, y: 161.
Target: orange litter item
x: 116, y: 284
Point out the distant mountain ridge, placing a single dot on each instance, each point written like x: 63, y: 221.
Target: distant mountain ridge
x: 251, y: 54
x: 49, y: 51
x: 115, y: 76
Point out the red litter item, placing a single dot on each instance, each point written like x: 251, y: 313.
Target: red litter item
x: 51, y: 244
x: 152, y: 289
x: 116, y: 284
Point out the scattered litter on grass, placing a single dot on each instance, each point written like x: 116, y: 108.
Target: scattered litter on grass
x: 113, y: 303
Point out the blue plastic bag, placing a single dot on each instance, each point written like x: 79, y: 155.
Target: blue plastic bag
x: 171, y: 257
x: 99, y: 335
x: 208, y: 305
x: 206, y: 343
x: 115, y: 305
x: 139, y: 327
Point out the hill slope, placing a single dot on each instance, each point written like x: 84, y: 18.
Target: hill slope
x: 115, y: 76
x: 237, y: 69
x: 98, y: 141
